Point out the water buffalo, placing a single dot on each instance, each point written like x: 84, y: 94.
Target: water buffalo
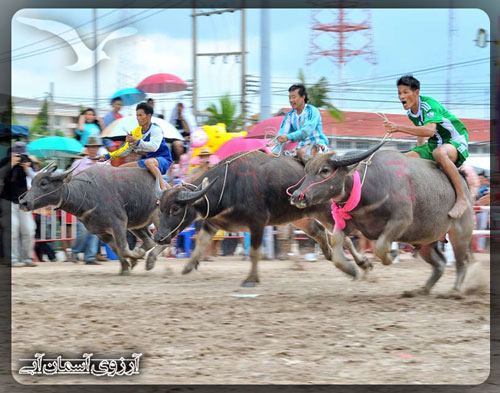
x: 246, y: 192
x: 107, y: 200
x: 402, y: 199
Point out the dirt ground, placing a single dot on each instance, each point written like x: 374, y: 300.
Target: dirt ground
x: 309, y: 326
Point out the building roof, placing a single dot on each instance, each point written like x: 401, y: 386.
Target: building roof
x: 32, y: 106
x: 369, y: 124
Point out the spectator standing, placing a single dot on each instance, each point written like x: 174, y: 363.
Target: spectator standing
x: 19, y: 233
x: 110, y: 117
x: 114, y: 114
x: 151, y: 103
x: 182, y: 120
x: 86, y: 242
x: 89, y: 124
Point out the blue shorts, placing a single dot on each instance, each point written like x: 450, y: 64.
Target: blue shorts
x: 163, y: 164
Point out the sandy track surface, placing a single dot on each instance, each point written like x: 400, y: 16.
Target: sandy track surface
x: 309, y: 326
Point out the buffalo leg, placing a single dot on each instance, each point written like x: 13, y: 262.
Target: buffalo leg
x: 460, y: 248
x: 110, y: 241
x: 143, y: 234
x: 338, y: 258
x: 361, y: 260
x: 255, y: 244
x: 153, y: 254
x: 393, y: 229
x: 431, y: 254
x: 203, y: 240
x: 317, y: 231
x: 122, y: 250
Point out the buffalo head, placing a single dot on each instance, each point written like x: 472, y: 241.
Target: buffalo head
x: 46, y: 188
x: 178, y: 207
x: 325, y: 178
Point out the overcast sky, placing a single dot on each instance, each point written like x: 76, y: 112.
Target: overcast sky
x: 404, y: 41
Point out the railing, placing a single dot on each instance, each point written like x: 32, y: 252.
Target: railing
x: 54, y: 227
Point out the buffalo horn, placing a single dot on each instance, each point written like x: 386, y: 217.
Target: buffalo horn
x: 63, y: 175
x: 191, y: 196
x: 158, y: 190
x: 51, y: 167
x: 354, y: 159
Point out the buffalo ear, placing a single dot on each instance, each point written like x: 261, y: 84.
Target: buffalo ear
x: 205, y: 182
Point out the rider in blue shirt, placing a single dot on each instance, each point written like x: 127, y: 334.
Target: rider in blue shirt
x: 303, y: 123
x: 147, y: 137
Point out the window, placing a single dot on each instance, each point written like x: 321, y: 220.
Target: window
x: 362, y: 145
x: 343, y: 144
x: 473, y: 149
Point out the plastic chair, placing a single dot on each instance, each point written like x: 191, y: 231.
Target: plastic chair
x: 187, y: 242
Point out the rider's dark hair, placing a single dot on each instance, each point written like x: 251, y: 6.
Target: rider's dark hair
x: 410, y: 81
x: 302, y: 90
x: 148, y: 109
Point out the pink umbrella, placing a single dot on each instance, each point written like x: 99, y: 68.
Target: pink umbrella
x: 266, y: 128
x: 162, y: 83
x: 241, y: 144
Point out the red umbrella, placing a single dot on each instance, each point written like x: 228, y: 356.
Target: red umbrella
x: 268, y: 127
x: 241, y: 144
x: 162, y: 83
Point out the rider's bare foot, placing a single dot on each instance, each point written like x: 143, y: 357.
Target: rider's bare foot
x: 459, y: 208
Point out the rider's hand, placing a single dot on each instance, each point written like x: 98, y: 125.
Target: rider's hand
x: 390, y: 127
x: 282, y: 138
x: 131, y: 139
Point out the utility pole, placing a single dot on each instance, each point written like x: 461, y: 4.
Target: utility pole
x: 50, y: 109
x: 195, y: 71
x: 96, y: 73
x: 243, y: 68
x: 451, y: 31
x: 242, y: 53
x: 265, y: 66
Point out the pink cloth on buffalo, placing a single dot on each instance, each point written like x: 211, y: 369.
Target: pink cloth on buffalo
x: 340, y: 214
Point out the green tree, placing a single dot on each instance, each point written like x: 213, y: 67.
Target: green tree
x: 225, y: 112
x: 40, y: 126
x: 318, y: 96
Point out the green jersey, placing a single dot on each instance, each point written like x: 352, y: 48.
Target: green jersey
x: 449, y: 129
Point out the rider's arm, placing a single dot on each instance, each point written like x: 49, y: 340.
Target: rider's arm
x: 312, y: 121
x: 121, y: 152
x: 285, y: 126
x: 154, y: 141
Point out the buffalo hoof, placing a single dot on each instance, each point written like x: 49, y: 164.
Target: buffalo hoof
x: 150, y: 263
x: 189, y: 268
x: 125, y: 273
x: 416, y: 292
x: 140, y: 252
x: 454, y: 294
x: 366, y: 264
x: 248, y: 284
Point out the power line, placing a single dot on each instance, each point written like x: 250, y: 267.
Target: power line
x: 85, y: 36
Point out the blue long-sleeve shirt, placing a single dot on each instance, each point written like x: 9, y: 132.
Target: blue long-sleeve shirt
x: 305, y: 128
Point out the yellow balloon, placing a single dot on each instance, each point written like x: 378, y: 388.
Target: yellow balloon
x: 217, y: 136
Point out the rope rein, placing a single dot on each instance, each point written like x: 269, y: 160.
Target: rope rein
x: 206, y: 199
x: 178, y: 226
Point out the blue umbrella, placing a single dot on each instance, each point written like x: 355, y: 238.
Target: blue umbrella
x: 129, y: 95
x: 54, y: 147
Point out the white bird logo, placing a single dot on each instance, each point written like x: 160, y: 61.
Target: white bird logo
x: 85, y: 56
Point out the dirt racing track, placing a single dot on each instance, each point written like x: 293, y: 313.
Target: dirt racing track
x: 309, y: 326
